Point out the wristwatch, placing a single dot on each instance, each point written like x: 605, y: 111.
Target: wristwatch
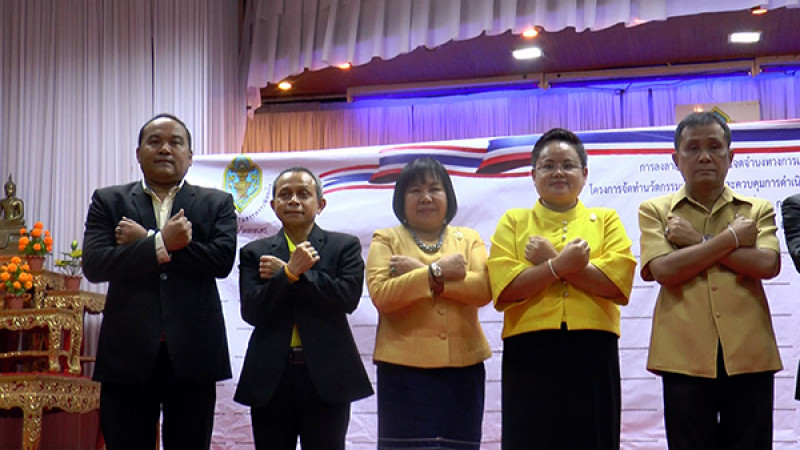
x: 436, y: 271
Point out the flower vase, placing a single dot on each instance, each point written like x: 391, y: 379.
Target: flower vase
x: 15, y: 301
x: 72, y: 282
x: 36, y: 262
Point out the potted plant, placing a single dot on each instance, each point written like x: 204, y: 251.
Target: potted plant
x: 16, y: 280
x: 70, y: 266
x: 35, y: 245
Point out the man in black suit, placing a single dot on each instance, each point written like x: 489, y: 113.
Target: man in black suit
x: 160, y: 243
x: 302, y: 367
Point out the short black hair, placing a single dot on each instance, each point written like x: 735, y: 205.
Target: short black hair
x: 559, y: 135
x: 415, y: 172
x: 165, y: 116
x: 701, y: 119
x: 317, y: 181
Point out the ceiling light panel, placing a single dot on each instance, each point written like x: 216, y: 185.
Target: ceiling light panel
x: 527, y: 53
x: 744, y: 37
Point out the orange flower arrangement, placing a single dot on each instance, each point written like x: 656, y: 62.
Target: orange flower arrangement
x: 15, y: 277
x: 37, y: 242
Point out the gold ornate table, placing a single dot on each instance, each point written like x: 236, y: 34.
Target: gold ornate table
x: 81, y: 300
x: 58, y: 322
x: 57, y: 314
x: 61, y: 313
x: 43, y: 282
x: 36, y: 392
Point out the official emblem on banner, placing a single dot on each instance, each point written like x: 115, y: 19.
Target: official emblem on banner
x: 717, y: 111
x: 243, y: 180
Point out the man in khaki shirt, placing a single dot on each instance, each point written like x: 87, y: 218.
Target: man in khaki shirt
x: 712, y: 340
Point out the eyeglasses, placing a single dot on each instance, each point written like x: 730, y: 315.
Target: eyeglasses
x: 567, y: 167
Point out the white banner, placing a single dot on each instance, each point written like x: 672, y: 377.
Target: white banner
x: 491, y: 176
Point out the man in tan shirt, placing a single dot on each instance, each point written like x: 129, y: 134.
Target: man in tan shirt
x: 712, y: 340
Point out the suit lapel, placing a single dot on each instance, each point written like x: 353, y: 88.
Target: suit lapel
x: 279, y: 247
x: 185, y: 199
x: 317, y: 238
x: 144, y: 207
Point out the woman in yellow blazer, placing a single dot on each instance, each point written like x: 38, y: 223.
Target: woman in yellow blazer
x: 427, y: 279
x: 559, y: 272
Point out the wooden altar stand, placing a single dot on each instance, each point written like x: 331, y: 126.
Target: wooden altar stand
x: 46, y: 341
x: 34, y: 393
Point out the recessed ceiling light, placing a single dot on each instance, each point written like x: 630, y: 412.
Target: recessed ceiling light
x: 757, y: 11
x: 527, y: 53
x: 530, y: 33
x: 744, y: 37
x: 284, y: 85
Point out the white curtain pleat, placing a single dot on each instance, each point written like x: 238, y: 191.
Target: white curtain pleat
x: 443, y: 121
x: 687, y: 7
x: 196, y: 67
x: 786, y: 93
x: 636, y: 109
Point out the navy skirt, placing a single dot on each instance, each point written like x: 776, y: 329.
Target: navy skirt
x: 430, y: 408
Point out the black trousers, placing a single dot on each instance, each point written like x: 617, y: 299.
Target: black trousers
x: 129, y: 412
x: 561, y: 391
x: 297, y: 410
x: 723, y: 413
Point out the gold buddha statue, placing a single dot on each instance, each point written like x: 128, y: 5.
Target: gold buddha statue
x: 12, y: 218
x: 12, y: 209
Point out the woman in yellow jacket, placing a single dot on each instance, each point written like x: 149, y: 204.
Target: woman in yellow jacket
x: 427, y: 279
x: 559, y: 272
